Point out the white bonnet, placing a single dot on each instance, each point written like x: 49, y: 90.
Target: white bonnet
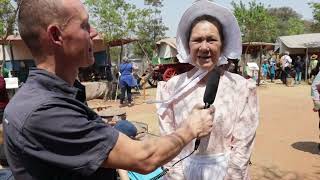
x: 231, y: 31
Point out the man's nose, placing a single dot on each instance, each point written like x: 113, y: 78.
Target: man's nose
x: 93, y: 32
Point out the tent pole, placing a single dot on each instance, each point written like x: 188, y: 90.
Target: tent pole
x: 306, y: 63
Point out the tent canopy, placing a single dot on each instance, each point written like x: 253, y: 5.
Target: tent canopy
x: 297, y: 44
x: 167, y: 48
x: 250, y: 47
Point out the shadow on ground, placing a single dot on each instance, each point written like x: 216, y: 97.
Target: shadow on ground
x: 310, y: 147
x: 260, y: 172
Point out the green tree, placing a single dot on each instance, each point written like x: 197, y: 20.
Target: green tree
x: 114, y: 19
x: 154, y: 3
x: 7, y: 18
x: 8, y: 15
x: 296, y: 26
x: 315, y: 27
x: 150, y: 29
x: 288, y: 21
x: 255, y: 22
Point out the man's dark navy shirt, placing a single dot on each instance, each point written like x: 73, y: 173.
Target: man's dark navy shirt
x: 50, y: 133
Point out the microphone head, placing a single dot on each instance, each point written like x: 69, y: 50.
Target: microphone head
x: 212, y: 86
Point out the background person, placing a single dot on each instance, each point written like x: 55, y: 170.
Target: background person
x: 208, y: 34
x: 315, y: 94
x: 286, y: 66
x: 272, y: 70
x: 313, y: 67
x: 265, y: 70
x: 127, y: 80
x: 298, y: 67
x: 5, y: 172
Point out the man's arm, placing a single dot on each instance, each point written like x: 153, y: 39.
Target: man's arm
x: 146, y: 156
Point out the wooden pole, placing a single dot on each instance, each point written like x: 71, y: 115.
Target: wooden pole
x: 260, y: 61
x: 307, y: 64
x: 115, y: 98
x: 144, y: 88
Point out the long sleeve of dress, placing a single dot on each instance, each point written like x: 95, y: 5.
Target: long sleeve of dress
x: 314, y: 89
x: 168, y: 125
x: 243, y: 133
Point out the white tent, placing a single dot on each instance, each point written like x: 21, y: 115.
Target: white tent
x: 167, y: 48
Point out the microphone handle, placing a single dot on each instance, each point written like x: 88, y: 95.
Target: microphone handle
x: 197, y: 143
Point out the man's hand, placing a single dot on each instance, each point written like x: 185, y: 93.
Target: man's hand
x: 200, y: 121
x: 145, y: 156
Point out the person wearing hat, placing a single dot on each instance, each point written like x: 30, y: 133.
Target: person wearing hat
x: 313, y: 69
x: 207, y: 36
x: 127, y: 81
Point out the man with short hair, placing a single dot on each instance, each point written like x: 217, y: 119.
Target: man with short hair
x: 50, y: 133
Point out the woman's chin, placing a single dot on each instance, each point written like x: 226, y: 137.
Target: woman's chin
x: 208, y: 66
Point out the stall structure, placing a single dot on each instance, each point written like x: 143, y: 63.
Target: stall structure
x: 16, y: 57
x: 303, y: 45
x: 165, y: 63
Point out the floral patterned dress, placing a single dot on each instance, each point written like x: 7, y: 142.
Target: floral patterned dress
x: 225, y: 153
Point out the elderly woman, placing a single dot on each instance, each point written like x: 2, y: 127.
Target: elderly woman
x: 315, y: 94
x: 208, y: 35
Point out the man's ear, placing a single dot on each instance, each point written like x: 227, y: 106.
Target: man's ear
x: 55, y: 34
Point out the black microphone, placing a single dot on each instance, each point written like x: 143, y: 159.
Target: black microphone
x: 210, y: 93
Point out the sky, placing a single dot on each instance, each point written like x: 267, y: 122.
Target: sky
x: 173, y: 9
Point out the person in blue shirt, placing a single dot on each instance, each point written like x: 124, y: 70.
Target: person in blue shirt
x: 127, y: 80
x: 272, y: 70
x: 265, y: 70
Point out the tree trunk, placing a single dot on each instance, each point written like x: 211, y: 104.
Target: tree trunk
x: 4, y: 54
x: 12, y: 57
x: 260, y: 62
x: 120, y: 55
x: 307, y: 65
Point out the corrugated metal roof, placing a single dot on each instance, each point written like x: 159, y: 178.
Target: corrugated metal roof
x: 258, y: 44
x: 301, y: 41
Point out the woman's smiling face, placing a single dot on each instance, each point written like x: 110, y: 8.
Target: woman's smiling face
x: 205, y: 44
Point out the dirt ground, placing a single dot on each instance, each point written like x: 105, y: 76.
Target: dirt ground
x: 287, y: 137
